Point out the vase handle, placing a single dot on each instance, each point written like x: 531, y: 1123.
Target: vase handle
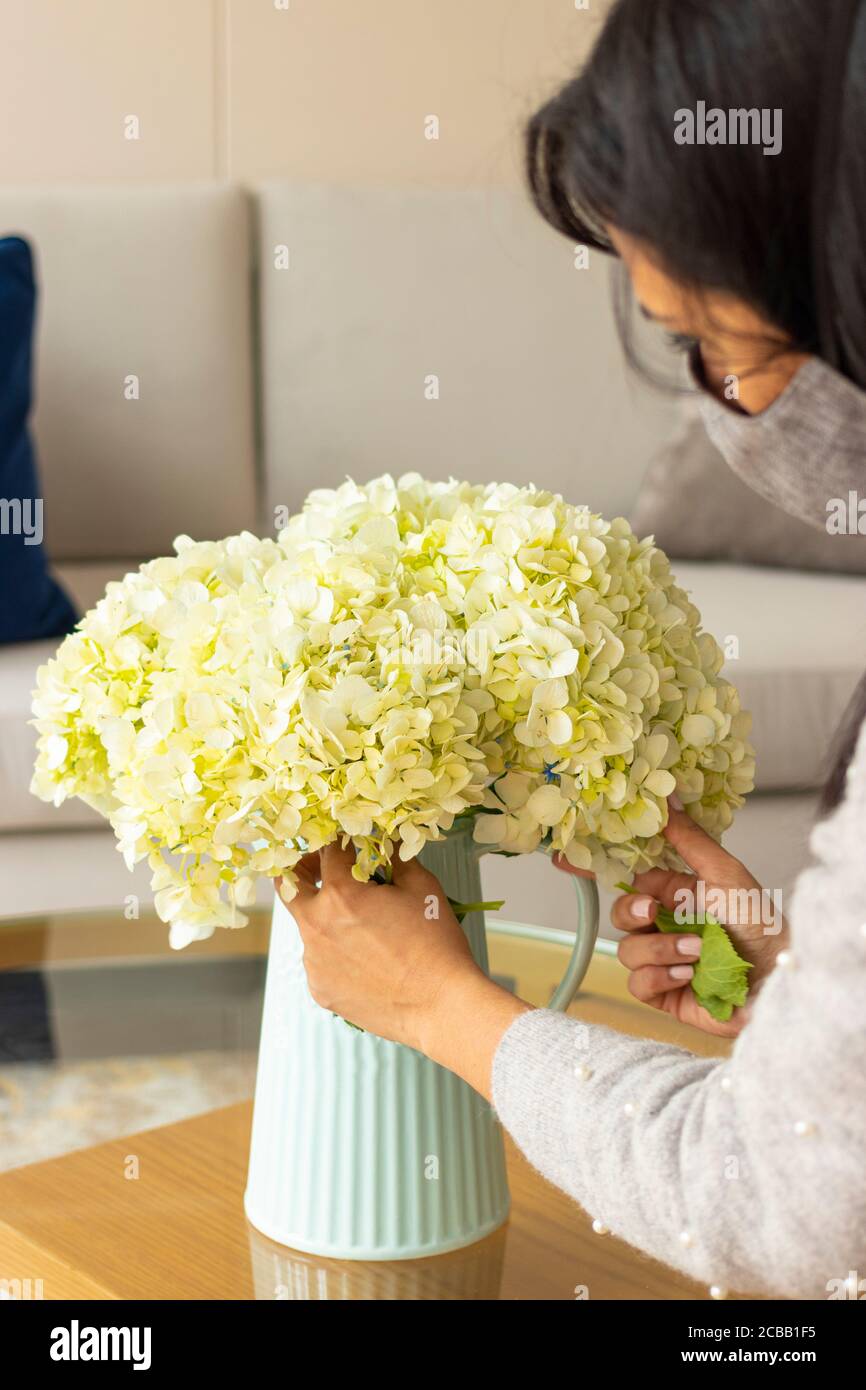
x: 585, y: 936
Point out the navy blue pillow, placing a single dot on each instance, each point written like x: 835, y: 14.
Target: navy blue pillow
x: 32, y: 604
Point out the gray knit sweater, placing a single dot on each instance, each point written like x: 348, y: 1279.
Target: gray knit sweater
x: 747, y: 1173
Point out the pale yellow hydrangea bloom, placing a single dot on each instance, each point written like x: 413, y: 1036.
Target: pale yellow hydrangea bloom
x: 404, y: 653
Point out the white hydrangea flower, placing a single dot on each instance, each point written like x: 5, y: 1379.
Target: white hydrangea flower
x: 404, y: 653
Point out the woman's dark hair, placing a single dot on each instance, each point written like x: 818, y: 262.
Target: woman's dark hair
x: 784, y: 232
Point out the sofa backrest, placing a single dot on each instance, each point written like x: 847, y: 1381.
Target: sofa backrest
x: 371, y: 299
x: 144, y: 417
x: 442, y: 331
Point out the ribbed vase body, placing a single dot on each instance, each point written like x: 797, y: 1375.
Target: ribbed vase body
x: 364, y: 1149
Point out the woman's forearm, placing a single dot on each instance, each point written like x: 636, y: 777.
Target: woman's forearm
x: 466, y: 1027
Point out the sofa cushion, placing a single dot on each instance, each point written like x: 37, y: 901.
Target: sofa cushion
x: 144, y: 400
x: 800, y: 639
x: 87, y: 582
x: 446, y: 331
x: 32, y: 604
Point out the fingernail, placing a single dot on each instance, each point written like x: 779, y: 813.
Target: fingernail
x: 682, y: 972
x: 674, y: 802
x: 689, y: 945
x: 641, y: 908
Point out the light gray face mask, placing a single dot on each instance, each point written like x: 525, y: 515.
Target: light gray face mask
x: 804, y: 450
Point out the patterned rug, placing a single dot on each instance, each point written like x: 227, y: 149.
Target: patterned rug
x: 52, y: 1107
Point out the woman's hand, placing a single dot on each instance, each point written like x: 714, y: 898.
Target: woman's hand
x: 393, y: 959
x: 662, y: 964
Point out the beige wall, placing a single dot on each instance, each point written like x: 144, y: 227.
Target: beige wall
x: 328, y: 89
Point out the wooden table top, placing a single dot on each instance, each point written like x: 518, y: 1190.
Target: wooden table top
x: 159, y: 1214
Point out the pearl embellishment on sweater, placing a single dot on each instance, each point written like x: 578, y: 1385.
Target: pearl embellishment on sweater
x: 583, y: 1073
x: 804, y: 1128
x: 628, y: 1108
x: 686, y: 1239
x: 726, y: 1083
x: 787, y: 960
x: 599, y: 1228
x: 716, y: 1291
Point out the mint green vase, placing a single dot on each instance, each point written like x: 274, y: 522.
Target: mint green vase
x: 364, y: 1149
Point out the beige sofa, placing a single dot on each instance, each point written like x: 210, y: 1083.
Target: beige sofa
x: 190, y: 381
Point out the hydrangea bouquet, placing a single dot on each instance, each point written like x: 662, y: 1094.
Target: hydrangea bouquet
x: 404, y: 654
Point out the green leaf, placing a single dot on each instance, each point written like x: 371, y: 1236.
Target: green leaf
x: 720, y: 982
x: 462, y: 910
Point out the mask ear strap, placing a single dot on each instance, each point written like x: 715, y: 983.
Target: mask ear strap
x: 828, y: 141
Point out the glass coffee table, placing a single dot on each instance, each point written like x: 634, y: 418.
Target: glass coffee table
x: 126, y: 1081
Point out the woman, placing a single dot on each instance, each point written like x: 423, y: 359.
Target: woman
x: 747, y: 1173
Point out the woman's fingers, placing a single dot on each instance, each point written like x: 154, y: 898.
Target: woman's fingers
x: 308, y: 872
x: 664, y: 885
x: 309, y: 867
x: 699, y: 850
x: 406, y: 872
x: 658, y: 948
x: 651, y: 981
x: 337, y: 863
x: 633, y: 912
